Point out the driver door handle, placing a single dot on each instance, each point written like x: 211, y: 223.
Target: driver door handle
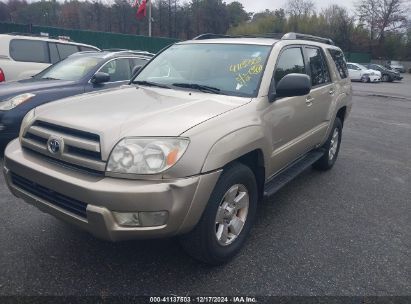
x: 309, y: 101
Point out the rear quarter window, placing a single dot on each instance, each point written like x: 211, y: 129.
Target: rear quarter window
x: 340, y: 62
x: 29, y: 50
x: 66, y: 50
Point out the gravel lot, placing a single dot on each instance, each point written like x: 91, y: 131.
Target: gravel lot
x: 344, y: 232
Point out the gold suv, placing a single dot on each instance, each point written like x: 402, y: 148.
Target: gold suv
x: 201, y: 134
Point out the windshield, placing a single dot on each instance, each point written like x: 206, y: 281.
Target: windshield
x: 72, y: 68
x: 231, y: 69
x: 362, y: 67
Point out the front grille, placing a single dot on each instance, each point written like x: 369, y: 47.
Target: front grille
x: 60, y: 200
x: 80, y: 148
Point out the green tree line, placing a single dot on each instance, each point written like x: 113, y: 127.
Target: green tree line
x: 380, y: 27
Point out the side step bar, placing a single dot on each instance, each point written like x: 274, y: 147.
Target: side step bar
x: 289, y: 173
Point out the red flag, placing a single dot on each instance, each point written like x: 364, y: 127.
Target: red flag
x: 142, y: 9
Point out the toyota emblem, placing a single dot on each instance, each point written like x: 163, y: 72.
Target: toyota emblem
x: 55, y: 145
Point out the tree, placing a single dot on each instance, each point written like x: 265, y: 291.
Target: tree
x: 338, y: 25
x: 237, y: 14
x: 381, y: 16
x: 300, y: 8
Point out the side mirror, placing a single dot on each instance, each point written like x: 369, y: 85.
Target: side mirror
x: 135, y: 70
x: 100, y: 77
x: 293, y: 85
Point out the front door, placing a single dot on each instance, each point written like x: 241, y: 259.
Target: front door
x: 119, y: 71
x: 287, y: 117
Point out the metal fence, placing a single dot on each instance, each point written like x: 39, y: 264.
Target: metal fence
x: 358, y: 57
x: 102, y: 40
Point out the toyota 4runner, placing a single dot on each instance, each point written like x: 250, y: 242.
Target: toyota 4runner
x: 206, y: 129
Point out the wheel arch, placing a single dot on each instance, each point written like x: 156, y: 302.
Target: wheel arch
x: 247, y: 146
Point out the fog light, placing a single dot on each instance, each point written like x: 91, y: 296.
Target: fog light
x: 156, y: 218
x: 141, y: 219
x: 127, y: 219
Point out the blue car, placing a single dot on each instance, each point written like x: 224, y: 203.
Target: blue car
x: 80, y: 73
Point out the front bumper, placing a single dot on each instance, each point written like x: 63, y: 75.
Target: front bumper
x: 184, y: 199
x: 374, y: 78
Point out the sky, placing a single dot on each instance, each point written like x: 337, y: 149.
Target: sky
x: 261, y: 5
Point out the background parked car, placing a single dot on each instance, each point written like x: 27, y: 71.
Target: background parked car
x: 387, y: 75
x: 396, y: 66
x: 24, y: 56
x: 79, y: 73
x: 359, y: 72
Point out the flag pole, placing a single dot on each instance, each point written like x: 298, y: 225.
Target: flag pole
x: 149, y: 19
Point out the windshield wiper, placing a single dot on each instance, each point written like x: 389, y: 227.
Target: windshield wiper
x: 199, y: 87
x: 151, y: 84
x: 50, y: 78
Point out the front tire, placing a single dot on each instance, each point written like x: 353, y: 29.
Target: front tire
x: 385, y: 78
x: 227, y: 219
x: 331, y: 147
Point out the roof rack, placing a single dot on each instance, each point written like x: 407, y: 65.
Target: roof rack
x: 135, y: 52
x: 294, y: 36
x: 41, y: 35
x: 211, y: 36
x: 287, y: 36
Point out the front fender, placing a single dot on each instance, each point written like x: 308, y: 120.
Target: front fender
x: 234, y: 145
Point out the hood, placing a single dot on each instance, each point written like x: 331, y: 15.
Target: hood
x: 137, y: 111
x: 10, y: 89
x: 369, y: 71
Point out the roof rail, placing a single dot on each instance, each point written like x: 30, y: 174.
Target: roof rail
x: 211, y: 36
x: 287, y: 36
x: 294, y: 36
x: 41, y: 35
x: 136, y: 52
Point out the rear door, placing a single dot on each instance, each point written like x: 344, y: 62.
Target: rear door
x: 322, y: 93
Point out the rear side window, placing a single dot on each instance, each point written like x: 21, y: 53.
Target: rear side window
x: 29, y: 50
x: 290, y: 61
x: 351, y: 67
x: 54, y: 55
x: 340, y: 62
x: 66, y: 50
x: 319, y: 69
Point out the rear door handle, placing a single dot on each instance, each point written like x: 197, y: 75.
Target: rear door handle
x: 331, y: 91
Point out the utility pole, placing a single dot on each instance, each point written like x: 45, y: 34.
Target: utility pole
x: 149, y: 18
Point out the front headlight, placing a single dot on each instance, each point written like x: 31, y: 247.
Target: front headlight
x: 15, y: 101
x: 146, y: 155
x: 26, y: 122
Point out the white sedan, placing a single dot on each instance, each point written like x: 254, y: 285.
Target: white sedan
x: 359, y: 72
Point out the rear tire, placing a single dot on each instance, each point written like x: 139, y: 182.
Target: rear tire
x: 385, y: 78
x: 331, y: 147
x: 224, y: 226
